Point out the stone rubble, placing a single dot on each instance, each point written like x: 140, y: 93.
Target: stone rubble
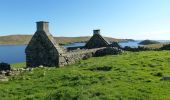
x: 13, y: 72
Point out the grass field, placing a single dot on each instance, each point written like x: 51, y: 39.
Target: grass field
x: 133, y: 76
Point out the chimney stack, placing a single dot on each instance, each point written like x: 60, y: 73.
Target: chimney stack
x: 42, y: 26
x: 96, y: 31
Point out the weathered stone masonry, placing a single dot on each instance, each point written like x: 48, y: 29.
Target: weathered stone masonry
x: 74, y: 56
x: 97, y: 41
x: 43, y: 49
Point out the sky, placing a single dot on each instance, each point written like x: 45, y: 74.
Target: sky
x: 127, y: 19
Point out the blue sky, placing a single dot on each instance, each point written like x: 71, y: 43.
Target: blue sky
x: 136, y: 19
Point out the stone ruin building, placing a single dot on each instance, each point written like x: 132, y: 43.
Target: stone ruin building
x: 97, y: 41
x: 43, y: 49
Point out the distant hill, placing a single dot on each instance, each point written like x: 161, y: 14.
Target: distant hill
x: 24, y: 39
x: 147, y: 42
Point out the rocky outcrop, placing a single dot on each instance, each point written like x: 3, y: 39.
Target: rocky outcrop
x: 5, y: 67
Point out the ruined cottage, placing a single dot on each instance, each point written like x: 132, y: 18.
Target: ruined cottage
x: 97, y: 41
x: 42, y: 48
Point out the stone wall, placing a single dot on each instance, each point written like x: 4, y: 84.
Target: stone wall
x: 74, y: 56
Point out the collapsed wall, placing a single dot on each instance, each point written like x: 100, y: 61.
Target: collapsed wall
x: 74, y: 56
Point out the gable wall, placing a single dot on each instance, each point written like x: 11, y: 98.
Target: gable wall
x: 96, y: 42
x: 41, y: 51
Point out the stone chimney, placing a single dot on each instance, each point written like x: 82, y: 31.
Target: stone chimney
x: 96, y: 31
x: 42, y: 26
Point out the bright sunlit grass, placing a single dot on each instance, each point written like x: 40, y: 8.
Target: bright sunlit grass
x: 130, y: 76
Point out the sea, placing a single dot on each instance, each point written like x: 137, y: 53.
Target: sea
x: 16, y: 53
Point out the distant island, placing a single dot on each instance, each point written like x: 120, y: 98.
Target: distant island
x: 24, y: 39
x: 147, y: 42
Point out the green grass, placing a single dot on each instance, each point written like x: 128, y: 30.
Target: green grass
x: 133, y: 76
x: 19, y: 65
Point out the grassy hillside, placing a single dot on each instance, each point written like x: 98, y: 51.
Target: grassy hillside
x: 133, y: 76
x: 15, y: 39
x: 24, y: 39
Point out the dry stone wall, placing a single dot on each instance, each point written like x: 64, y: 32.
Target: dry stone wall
x: 74, y: 56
